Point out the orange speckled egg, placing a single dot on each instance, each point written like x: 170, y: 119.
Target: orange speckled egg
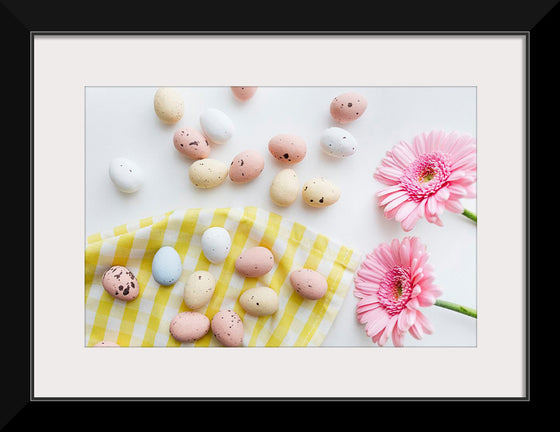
x: 246, y: 166
x: 120, y: 283
x: 309, y: 283
x: 227, y: 327
x: 254, y: 262
x: 191, y: 143
x: 348, y: 107
x: 243, y: 93
x: 287, y: 148
x: 189, y: 326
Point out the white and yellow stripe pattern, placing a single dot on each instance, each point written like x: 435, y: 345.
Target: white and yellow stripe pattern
x: 145, y: 321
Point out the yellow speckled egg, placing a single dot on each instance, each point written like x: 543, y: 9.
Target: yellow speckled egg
x: 168, y: 105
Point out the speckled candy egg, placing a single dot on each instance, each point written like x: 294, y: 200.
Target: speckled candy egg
x: 243, y: 93
x: 227, y: 328
x: 216, y: 126
x: 191, y: 143
x: 189, y: 326
x: 254, y: 262
x: 309, y: 283
x: 284, y: 189
x: 259, y: 301
x: 320, y: 192
x: 168, y: 105
x: 348, y: 107
x: 198, y: 289
x: 338, y: 142
x: 216, y: 244
x: 120, y: 283
x: 126, y: 175
x: 287, y: 148
x: 246, y: 166
x: 208, y: 173
x: 106, y: 344
x: 166, y: 266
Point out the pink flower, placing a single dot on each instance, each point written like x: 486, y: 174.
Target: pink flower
x: 427, y: 177
x: 392, y: 283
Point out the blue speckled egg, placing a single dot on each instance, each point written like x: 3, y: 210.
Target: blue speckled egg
x: 166, y: 266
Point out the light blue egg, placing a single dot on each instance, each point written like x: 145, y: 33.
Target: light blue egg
x: 166, y: 266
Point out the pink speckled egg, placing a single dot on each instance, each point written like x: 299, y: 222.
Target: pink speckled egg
x: 120, y: 283
x: 309, y: 283
x: 254, y: 262
x: 106, y: 344
x: 191, y: 143
x: 243, y: 93
x: 246, y: 166
x: 348, y: 107
x: 227, y: 327
x: 189, y: 326
x: 287, y: 148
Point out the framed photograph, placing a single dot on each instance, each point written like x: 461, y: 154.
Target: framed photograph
x: 389, y: 166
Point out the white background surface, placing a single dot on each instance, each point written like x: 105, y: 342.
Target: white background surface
x: 120, y: 121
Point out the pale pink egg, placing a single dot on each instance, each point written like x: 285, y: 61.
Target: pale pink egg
x: 246, y: 166
x: 243, y: 93
x: 189, y: 326
x: 309, y: 283
x: 120, y: 283
x: 254, y: 262
x: 227, y: 327
x: 348, y: 107
x: 287, y: 148
x: 106, y: 344
x: 191, y: 143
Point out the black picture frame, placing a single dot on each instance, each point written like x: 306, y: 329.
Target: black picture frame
x: 21, y: 20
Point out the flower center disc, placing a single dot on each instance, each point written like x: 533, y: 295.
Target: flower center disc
x: 395, y: 289
x: 426, y: 175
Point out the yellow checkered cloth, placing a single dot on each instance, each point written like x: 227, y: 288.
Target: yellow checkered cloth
x: 145, y: 320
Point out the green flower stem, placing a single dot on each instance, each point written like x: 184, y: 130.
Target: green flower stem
x: 456, y: 307
x: 470, y: 215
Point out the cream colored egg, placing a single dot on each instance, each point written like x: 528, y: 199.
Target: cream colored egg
x: 168, y: 105
x: 320, y: 192
x: 259, y: 301
x: 208, y: 173
x: 284, y: 189
x: 199, y: 288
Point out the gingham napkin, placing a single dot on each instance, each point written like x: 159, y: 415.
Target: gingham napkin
x: 145, y: 321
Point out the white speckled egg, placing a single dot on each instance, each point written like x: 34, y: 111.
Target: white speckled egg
x: 284, y: 189
x: 216, y: 244
x: 199, y: 289
x: 227, y: 327
x: 189, y: 326
x: 320, y: 192
x: 216, y: 125
x: 126, y: 175
x: 338, y: 142
x: 166, y: 266
x: 120, y: 283
x: 208, y: 173
x: 168, y: 105
x: 259, y: 301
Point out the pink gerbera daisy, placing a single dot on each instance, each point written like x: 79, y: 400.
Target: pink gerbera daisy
x: 427, y: 177
x: 392, y: 283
